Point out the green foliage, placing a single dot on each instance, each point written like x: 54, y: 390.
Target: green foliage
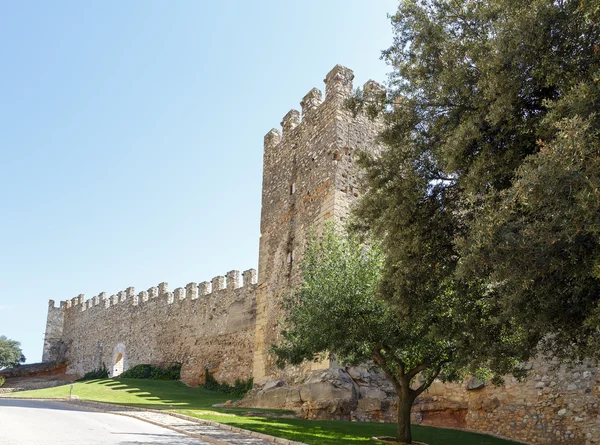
x: 337, y: 311
x: 486, y: 197
x: 240, y: 387
x: 100, y: 373
x: 335, y: 308
x: 172, y: 372
x: 540, y: 243
x: 2, y: 381
x: 10, y: 352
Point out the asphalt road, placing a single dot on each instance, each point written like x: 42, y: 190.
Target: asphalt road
x: 29, y: 422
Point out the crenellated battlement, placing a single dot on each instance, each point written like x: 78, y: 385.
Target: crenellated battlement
x: 224, y: 288
x: 338, y: 88
x: 193, y: 324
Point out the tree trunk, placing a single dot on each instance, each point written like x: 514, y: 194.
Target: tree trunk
x: 403, y: 433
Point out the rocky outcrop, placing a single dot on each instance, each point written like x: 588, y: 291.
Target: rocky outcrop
x: 35, y: 370
x: 557, y: 404
x: 328, y: 394
x: 34, y: 376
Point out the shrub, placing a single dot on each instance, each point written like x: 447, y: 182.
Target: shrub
x: 239, y: 389
x: 100, y: 373
x: 2, y: 380
x: 172, y: 372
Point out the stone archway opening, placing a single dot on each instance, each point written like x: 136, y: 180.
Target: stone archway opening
x: 118, y: 366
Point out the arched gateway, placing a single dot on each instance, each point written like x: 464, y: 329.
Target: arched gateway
x: 119, y: 362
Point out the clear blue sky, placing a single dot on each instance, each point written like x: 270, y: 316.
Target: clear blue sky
x: 131, y: 136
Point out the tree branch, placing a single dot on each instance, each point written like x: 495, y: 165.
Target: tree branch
x: 427, y: 383
x: 417, y: 369
x: 380, y: 360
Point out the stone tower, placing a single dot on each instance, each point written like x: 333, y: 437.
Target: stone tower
x: 308, y: 178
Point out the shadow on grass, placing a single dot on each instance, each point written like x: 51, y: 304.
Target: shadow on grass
x: 160, y: 394
x: 316, y: 432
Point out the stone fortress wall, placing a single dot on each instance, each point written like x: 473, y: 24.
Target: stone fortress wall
x: 309, y: 177
x: 557, y: 404
x: 210, y: 324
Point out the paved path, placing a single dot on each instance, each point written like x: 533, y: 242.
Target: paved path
x: 33, y: 422
x: 29, y: 422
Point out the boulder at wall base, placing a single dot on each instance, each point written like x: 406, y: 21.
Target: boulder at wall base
x: 282, y: 397
x: 368, y: 404
x: 329, y: 394
x: 323, y: 400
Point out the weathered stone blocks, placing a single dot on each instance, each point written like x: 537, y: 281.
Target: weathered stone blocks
x: 162, y: 327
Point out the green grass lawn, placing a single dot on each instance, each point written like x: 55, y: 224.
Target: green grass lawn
x: 198, y: 402
x: 155, y: 394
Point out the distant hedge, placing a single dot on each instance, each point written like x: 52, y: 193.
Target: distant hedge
x: 240, y: 388
x: 100, y: 373
x: 173, y: 372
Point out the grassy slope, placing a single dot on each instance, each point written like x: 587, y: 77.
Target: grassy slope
x: 198, y: 402
x: 156, y: 394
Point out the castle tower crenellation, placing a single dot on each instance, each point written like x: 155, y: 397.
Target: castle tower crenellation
x: 152, y: 292
x: 272, y: 139
x: 290, y: 121
x: 311, y: 101
x: 249, y: 277
x: 163, y: 288
x: 338, y: 82
x: 373, y: 90
x: 204, y: 288
x: 179, y: 293
x: 191, y: 291
x: 233, y: 279
x: 218, y: 283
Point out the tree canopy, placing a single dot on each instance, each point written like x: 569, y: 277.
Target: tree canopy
x: 482, y: 208
x: 337, y: 311
x: 488, y: 186
x: 10, y: 352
